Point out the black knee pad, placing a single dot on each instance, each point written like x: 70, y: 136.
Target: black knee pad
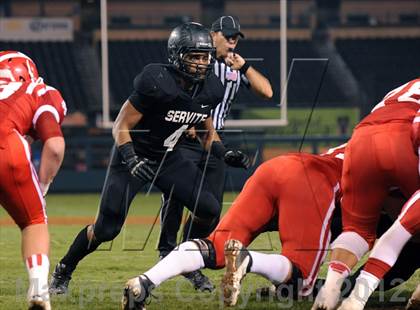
x: 207, y: 251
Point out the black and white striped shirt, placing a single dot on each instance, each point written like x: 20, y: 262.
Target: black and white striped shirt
x: 231, y: 80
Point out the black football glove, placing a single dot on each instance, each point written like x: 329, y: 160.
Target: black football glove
x: 232, y: 158
x: 236, y: 159
x: 141, y: 168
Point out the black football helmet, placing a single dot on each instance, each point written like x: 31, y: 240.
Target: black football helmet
x: 189, y: 38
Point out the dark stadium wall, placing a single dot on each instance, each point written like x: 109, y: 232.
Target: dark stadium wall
x: 211, y: 10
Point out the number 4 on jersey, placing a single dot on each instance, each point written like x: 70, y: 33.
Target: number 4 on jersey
x: 171, y: 141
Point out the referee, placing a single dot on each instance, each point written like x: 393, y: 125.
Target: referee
x: 233, y: 71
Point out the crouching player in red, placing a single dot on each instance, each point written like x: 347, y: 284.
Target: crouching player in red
x: 300, y: 191
x: 28, y: 107
x: 386, y: 251
x: 381, y: 154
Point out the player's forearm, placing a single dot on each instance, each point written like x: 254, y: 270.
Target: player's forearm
x: 210, y: 138
x: 51, y: 159
x: 121, y: 133
x: 259, y: 83
x: 126, y: 121
x: 208, y: 135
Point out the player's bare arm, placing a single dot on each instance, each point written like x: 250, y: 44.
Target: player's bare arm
x: 191, y: 133
x: 51, y: 159
x: 126, y: 120
x: 208, y: 134
x: 53, y: 148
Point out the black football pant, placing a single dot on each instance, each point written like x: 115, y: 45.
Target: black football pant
x: 177, y: 175
x: 172, y: 209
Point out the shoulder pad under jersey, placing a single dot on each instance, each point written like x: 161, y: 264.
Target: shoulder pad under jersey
x: 156, y: 81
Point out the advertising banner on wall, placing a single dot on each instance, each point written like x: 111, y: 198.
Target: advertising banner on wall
x: 36, y: 29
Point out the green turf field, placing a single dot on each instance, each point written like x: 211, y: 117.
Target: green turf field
x: 98, y: 282
x: 324, y: 121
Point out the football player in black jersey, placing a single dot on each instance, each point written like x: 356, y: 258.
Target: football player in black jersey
x: 234, y: 72
x: 166, y: 101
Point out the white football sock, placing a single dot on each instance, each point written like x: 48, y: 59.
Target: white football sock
x: 38, y: 266
x: 337, y: 273
x: 390, y: 245
x: 274, y: 267
x: 366, y: 284
x: 185, y: 258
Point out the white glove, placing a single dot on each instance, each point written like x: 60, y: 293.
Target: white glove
x: 327, y: 299
x: 351, y: 304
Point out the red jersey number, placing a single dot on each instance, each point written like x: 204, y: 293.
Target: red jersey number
x: 409, y: 92
x: 412, y: 94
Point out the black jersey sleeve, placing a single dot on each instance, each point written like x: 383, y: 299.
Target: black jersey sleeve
x: 154, y: 85
x: 142, y: 96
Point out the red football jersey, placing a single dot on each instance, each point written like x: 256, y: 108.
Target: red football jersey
x: 400, y: 104
x: 22, y: 104
x: 416, y: 132
x: 335, y: 157
x: 407, y: 93
x: 336, y: 152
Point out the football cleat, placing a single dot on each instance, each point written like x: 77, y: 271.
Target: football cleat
x: 60, y: 279
x: 136, y: 292
x: 199, y: 281
x: 237, y: 260
x: 39, y: 303
x: 414, y: 301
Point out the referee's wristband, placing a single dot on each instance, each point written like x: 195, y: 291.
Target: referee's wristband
x: 244, y: 67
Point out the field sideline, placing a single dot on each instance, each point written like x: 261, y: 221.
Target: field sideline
x: 98, y: 282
